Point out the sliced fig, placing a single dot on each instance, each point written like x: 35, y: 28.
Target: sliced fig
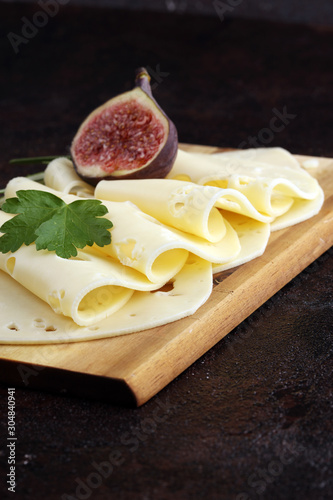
x: 128, y: 137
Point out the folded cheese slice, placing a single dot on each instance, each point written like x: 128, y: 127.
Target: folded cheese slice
x: 300, y: 211
x: 83, y: 289
x: 253, y: 236
x: 269, y: 189
x: 181, y: 205
x: 29, y: 320
x: 61, y: 176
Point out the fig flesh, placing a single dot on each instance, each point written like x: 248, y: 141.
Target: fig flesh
x: 128, y: 137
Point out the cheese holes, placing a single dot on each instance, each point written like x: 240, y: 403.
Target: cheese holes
x: 40, y: 323
x: 179, y: 206
x: 129, y: 250
x: 55, y: 298
x: 13, y: 327
x: 168, y: 287
x: 50, y: 328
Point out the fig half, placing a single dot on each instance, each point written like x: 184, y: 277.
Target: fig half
x: 128, y: 137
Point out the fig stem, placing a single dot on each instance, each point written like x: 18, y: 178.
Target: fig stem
x: 142, y: 80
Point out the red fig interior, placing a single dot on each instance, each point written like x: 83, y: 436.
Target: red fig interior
x: 122, y: 136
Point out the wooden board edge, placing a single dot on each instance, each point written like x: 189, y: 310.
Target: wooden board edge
x: 321, y: 239
x: 64, y: 382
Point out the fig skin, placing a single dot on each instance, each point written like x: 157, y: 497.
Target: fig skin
x: 161, y: 164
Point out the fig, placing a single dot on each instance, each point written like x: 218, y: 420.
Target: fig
x: 128, y: 137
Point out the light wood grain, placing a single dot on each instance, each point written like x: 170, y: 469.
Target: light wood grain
x: 135, y: 367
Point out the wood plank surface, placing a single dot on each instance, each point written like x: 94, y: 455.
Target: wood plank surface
x: 131, y: 369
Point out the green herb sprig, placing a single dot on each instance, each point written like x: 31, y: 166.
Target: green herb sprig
x: 44, y: 160
x: 53, y: 225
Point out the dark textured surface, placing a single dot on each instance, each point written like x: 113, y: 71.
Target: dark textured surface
x: 252, y: 419
x: 295, y: 11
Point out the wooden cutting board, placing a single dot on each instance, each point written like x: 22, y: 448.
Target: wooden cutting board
x: 131, y: 369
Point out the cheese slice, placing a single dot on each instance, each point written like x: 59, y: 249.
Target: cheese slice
x: 234, y: 201
x: 269, y: 189
x: 29, y: 320
x: 274, y: 156
x: 152, y: 248
x: 22, y: 183
x: 181, y: 205
x: 300, y: 211
x: 253, y: 236
x: 61, y: 176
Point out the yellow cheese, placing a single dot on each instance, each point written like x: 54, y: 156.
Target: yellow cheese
x: 300, y: 211
x: 61, y: 176
x: 29, y: 320
x: 181, y: 205
x: 253, y: 236
x: 214, y: 212
x: 269, y: 189
x: 136, y: 241
x: 302, y: 207
x: 195, y: 200
x: 234, y: 201
x: 274, y: 156
x: 86, y: 288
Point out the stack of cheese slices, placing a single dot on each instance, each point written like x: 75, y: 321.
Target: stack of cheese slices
x: 169, y: 236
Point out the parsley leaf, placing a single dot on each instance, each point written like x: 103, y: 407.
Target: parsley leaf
x: 52, y: 224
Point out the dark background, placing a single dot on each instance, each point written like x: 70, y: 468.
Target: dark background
x: 252, y: 419
x: 295, y: 11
